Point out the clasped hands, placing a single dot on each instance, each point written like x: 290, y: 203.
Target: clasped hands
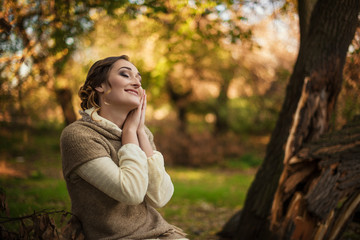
x: 134, y: 127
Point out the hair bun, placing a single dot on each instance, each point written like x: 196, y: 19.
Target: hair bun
x: 87, y: 95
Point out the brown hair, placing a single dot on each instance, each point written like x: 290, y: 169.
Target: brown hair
x: 98, y: 74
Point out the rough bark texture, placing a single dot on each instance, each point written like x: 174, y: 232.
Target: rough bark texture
x: 322, y: 187
x: 310, y: 99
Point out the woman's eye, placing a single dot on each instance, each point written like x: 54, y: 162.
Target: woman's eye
x: 124, y: 75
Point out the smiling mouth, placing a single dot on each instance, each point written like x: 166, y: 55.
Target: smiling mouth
x: 131, y: 91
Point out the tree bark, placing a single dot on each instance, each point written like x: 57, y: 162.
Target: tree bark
x: 310, y: 98
x: 305, y: 9
x: 321, y: 187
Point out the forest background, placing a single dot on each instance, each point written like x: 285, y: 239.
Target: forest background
x: 215, y: 73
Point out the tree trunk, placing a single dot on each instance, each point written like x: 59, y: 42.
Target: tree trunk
x: 64, y: 97
x: 182, y: 117
x: 180, y: 101
x: 305, y: 9
x: 310, y: 98
x: 221, y: 111
x: 321, y: 186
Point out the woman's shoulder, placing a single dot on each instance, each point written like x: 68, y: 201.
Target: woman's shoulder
x: 78, y: 129
x: 76, y: 126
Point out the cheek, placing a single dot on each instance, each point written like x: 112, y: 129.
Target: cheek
x: 116, y: 83
x: 117, y: 86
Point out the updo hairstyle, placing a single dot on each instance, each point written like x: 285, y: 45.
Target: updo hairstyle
x: 98, y: 74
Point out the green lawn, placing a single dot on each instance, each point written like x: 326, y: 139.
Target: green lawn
x: 203, y: 200
x: 25, y: 196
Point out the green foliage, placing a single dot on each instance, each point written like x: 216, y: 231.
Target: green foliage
x: 157, y: 78
x: 40, y: 38
x: 30, y: 144
x: 194, y: 43
x: 252, y: 115
x: 246, y: 161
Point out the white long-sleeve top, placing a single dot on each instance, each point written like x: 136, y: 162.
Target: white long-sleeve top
x: 137, y: 178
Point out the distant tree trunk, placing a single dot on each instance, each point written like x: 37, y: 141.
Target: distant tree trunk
x: 64, y: 97
x: 180, y: 101
x: 310, y: 98
x: 182, y: 112
x: 222, y: 108
x: 221, y: 111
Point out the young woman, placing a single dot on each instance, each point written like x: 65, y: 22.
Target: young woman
x: 114, y: 175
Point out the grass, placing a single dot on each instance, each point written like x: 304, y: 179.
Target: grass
x: 220, y: 188
x: 204, y: 198
x: 203, y: 201
x: 25, y: 196
x: 246, y: 161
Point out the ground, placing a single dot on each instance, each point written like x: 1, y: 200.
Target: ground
x: 203, y: 201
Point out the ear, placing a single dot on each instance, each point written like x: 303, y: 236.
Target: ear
x: 100, y: 89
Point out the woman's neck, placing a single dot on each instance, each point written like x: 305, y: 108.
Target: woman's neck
x: 117, y: 116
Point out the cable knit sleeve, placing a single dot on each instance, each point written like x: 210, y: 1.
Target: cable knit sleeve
x: 160, y: 189
x: 126, y: 183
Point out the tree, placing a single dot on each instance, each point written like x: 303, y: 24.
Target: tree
x: 310, y: 99
x: 37, y: 39
x: 194, y: 35
x: 40, y: 37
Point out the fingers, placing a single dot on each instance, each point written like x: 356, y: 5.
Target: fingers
x: 136, y: 118
x: 144, y: 100
x: 143, y: 111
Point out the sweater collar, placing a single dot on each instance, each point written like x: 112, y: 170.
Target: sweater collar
x: 90, y: 115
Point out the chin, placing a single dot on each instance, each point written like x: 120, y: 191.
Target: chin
x: 134, y: 105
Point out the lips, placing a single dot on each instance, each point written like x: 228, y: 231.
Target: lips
x: 132, y: 91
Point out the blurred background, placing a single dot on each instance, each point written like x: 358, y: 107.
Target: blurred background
x: 215, y: 73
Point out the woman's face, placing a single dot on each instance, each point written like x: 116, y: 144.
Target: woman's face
x: 125, y: 90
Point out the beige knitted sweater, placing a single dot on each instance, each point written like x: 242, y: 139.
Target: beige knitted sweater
x: 103, y: 217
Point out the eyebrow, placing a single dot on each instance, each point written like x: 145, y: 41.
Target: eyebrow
x: 130, y: 70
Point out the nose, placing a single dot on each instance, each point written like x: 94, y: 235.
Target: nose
x: 136, y: 82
